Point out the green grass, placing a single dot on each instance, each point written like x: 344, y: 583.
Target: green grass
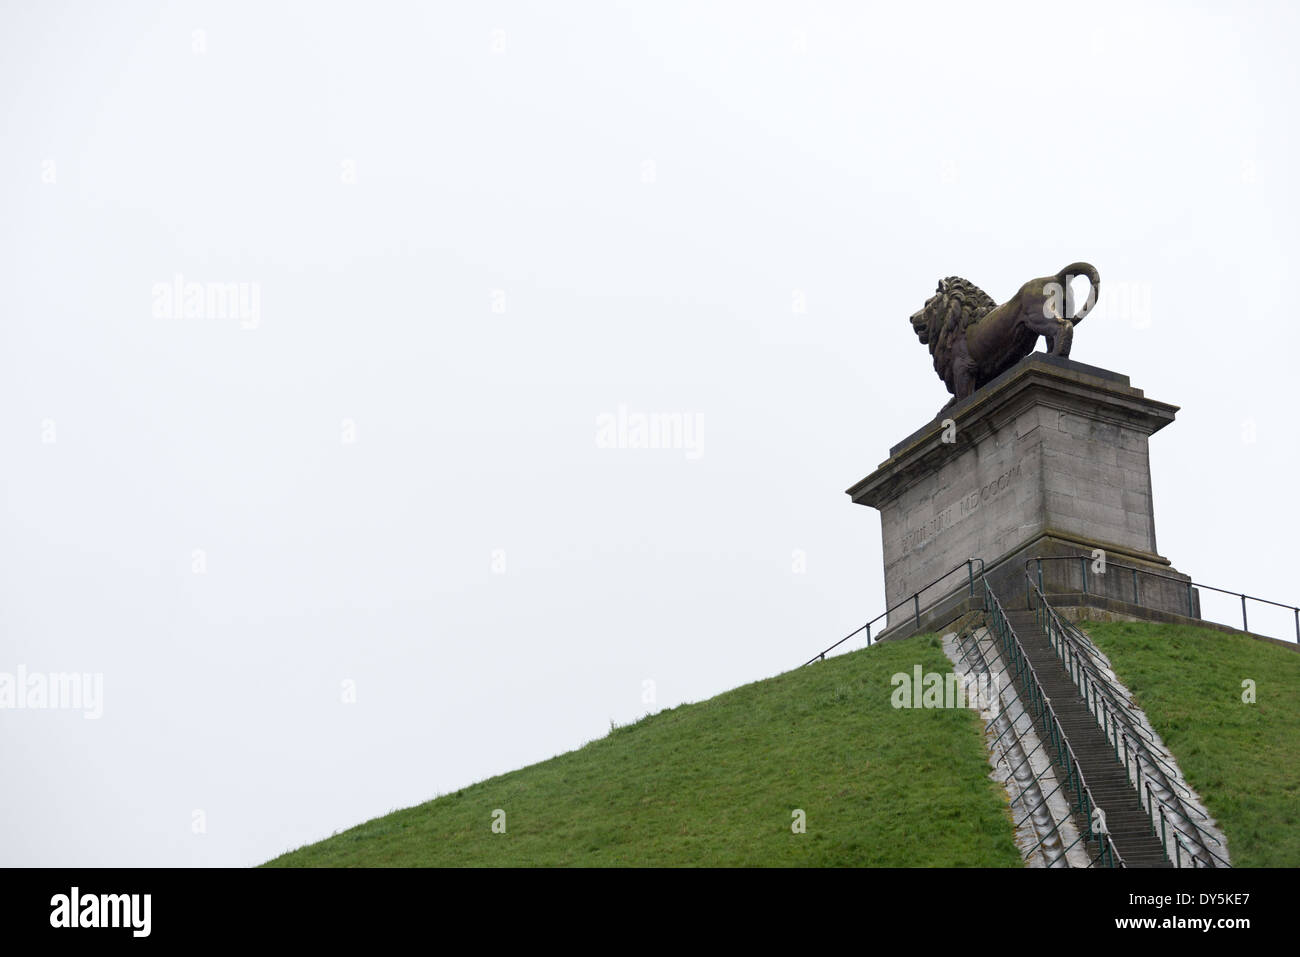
x: 715, y: 784
x: 1243, y: 759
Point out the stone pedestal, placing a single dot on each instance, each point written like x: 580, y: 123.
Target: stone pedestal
x: 1049, y: 459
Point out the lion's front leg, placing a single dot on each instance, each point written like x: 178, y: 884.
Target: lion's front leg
x: 963, y: 381
x: 963, y: 370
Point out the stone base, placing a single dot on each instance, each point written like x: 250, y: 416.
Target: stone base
x: 1049, y: 460
x: 1064, y: 565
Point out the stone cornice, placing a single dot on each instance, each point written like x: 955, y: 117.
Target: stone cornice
x: 1038, y: 379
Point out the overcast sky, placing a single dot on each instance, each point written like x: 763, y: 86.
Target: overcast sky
x: 369, y: 535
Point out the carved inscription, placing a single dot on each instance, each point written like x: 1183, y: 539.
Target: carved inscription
x: 962, y: 508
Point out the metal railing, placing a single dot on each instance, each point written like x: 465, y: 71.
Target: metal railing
x: 914, y: 600
x: 1034, y: 704
x: 1192, y: 611
x: 1121, y: 727
x: 1013, y: 748
x: 1193, y: 853
x: 1079, y: 657
x: 1045, y: 717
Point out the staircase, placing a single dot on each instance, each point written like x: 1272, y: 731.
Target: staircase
x: 1129, y: 825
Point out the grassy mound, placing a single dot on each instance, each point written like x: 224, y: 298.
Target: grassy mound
x: 1242, y: 758
x: 718, y: 783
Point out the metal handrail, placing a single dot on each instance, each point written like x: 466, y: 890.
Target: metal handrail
x: 1191, y: 852
x: 1179, y: 807
x: 1067, y: 631
x: 1085, y: 559
x: 1018, y: 739
x: 1114, y: 704
x: 1044, y: 832
x: 914, y: 598
x: 1084, y: 800
x: 1070, y: 633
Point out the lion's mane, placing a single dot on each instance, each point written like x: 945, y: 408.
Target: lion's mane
x: 955, y: 305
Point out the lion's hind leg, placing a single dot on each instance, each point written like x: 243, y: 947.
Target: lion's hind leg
x: 1057, y: 332
x: 1060, y: 343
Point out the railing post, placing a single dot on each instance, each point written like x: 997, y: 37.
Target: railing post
x: 1297, y: 624
x: 1114, y: 736
x: 1083, y: 567
x: 868, y: 633
x: 1243, y: 614
x: 916, y: 605
x: 970, y: 572
x: 1087, y: 807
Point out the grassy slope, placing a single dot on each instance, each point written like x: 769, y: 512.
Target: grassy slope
x: 715, y: 783
x: 1243, y: 759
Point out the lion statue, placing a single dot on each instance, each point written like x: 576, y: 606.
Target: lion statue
x: 973, y: 340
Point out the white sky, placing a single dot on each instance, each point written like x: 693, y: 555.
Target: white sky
x: 846, y: 156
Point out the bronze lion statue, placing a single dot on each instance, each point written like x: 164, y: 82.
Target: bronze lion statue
x: 973, y: 340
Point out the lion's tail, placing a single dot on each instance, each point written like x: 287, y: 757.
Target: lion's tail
x: 1094, y: 285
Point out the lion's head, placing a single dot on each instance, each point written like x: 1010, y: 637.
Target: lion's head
x: 956, y: 303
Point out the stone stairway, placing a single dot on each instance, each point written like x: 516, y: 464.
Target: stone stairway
x: 1129, y: 825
